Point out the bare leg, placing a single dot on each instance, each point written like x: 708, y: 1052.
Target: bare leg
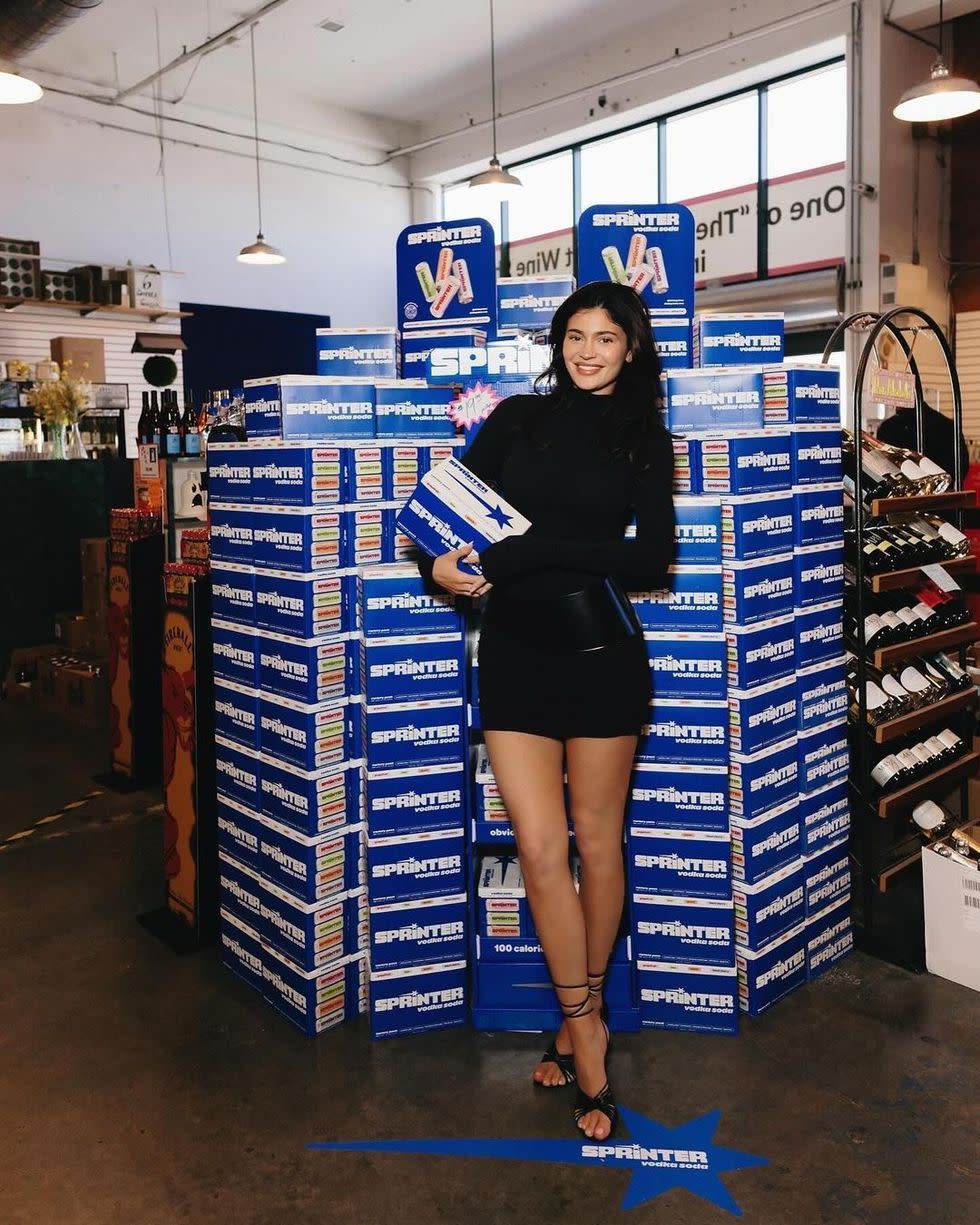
x: 598, y: 782
x: 528, y: 770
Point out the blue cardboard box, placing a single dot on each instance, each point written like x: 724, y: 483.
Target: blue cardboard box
x: 241, y: 949
x: 697, y: 531
x: 756, y: 525
x: 815, y: 451
x: 821, y: 693
x: 232, y: 530
x: 760, y: 653
x: 232, y: 593
x: 398, y: 547
x: 235, y: 653
x: 490, y: 820
x: 420, y: 800
x: 298, y: 539
x: 678, y: 797
x: 687, y: 666
x: 818, y: 575
x: 320, y: 999
x: 823, y: 755
x: 311, y: 934
x: 414, y: 412
x: 236, y: 713
x: 825, y: 815
x: 754, y: 591
x: 363, y: 466
x: 240, y: 891
x: 819, y: 632
x: 685, y: 733
x: 394, y: 601
x: 364, y: 534
x: 686, y: 930
x: 418, y: 998
x: 767, y: 976
x: 829, y: 939
x: 295, y: 473
x: 402, y: 735
x: 238, y: 831
x: 674, y: 343
x: 828, y: 877
x: 311, y: 868
x: 767, y: 843
x: 699, y: 998
x: 405, y: 463
x: 303, y: 734
x: 309, y: 406
x: 424, y: 932
x: 746, y: 461
x: 687, y: 464
x: 311, y: 801
x: 304, y: 669
x: 230, y: 473
x: 763, y: 780
x: 818, y: 513
x: 301, y: 605
x: 761, y: 717
x: 416, y: 346
x: 802, y: 395
x: 768, y: 908
x: 502, y: 910
x: 237, y: 772
x: 679, y: 863
x: 691, y: 603
x: 419, y: 667
x: 528, y: 303
x: 720, y: 399
x: 409, y: 866
x: 738, y: 340
x: 357, y: 352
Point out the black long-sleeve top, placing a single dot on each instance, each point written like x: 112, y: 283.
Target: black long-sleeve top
x: 579, y: 500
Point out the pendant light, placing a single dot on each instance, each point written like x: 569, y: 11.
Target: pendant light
x: 495, y: 175
x: 15, y: 89
x: 942, y: 96
x: 258, y: 252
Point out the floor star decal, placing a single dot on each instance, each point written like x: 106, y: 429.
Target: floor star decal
x: 660, y: 1157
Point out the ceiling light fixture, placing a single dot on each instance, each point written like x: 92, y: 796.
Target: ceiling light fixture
x: 495, y: 175
x: 16, y: 89
x: 258, y: 252
x: 942, y: 96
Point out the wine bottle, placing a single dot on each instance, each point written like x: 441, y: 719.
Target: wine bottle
x: 880, y: 477
x: 174, y: 425
x: 191, y: 429
x: 144, y: 427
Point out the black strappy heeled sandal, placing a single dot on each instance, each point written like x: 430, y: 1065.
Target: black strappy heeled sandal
x: 566, y: 1063
x: 603, y: 1101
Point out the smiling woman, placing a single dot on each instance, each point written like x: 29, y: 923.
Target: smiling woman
x: 564, y: 681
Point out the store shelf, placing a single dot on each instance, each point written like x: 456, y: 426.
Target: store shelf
x: 942, y: 709
x: 153, y: 313
x: 960, y: 635
x: 956, y: 500
x: 929, y: 787
x: 886, y: 875
x: 891, y: 580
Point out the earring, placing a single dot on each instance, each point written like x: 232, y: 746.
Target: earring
x: 629, y: 357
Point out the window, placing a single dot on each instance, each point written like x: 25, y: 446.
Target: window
x: 544, y: 204
x: 816, y: 104
x: 713, y: 148
x: 461, y: 201
x: 621, y: 169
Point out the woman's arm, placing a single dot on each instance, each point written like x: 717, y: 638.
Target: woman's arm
x: 640, y: 564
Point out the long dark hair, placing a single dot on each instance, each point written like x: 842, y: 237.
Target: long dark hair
x: 631, y: 417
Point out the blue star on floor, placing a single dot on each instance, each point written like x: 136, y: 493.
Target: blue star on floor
x: 660, y: 1157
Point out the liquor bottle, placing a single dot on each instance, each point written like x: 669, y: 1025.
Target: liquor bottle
x: 952, y: 742
x: 175, y: 426
x: 880, y: 707
x: 192, y: 431
x: 880, y: 477
x: 923, y: 690
x: 931, y: 819
x: 144, y: 427
x: 889, y: 774
x: 926, y: 476
x: 156, y: 417
x: 877, y: 633
x: 958, y: 679
x: 952, y: 537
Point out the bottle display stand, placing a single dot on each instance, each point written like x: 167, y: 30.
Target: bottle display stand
x: 885, y: 845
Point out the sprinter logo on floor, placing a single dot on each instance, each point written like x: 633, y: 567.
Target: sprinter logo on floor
x: 660, y: 1158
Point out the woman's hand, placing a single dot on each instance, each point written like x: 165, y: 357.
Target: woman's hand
x: 450, y: 578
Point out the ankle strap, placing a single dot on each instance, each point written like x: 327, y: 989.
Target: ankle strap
x: 580, y: 1008
x: 596, y: 982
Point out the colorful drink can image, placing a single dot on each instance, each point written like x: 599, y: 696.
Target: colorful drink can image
x: 444, y: 266
x: 639, y: 278
x: 655, y: 258
x: 614, y: 265
x: 426, y: 283
x: 448, y: 291
x: 637, y: 248
x: 462, y: 274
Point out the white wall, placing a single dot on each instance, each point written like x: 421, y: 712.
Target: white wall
x: 94, y: 194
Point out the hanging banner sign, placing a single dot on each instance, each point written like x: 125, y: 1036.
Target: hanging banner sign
x: 894, y: 387
x: 647, y: 246
x: 446, y: 275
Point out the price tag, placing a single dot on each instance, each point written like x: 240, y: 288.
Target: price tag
x: 149, y: 460
x: 943, y: 580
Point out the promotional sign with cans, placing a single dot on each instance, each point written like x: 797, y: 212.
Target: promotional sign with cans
x: 446, y: 274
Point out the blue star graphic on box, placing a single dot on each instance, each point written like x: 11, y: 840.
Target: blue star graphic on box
x: 660, y: 1157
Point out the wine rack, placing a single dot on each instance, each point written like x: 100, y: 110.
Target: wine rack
x: 886, y: 869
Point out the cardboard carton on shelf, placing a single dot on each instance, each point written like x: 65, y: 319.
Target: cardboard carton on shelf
x: 73, y: 688
x: 70, y: 631
x: 19, y: 684
x: 86, y: 354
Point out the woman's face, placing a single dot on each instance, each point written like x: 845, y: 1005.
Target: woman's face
x: 594, y: 350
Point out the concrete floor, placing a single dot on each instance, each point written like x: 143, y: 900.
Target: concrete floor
x: 141, y: 1088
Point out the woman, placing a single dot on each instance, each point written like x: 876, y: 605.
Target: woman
x: 564, y: 678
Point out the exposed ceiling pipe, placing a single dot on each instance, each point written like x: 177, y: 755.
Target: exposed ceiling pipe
x: 25, y: 24
x: 205, y: 48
